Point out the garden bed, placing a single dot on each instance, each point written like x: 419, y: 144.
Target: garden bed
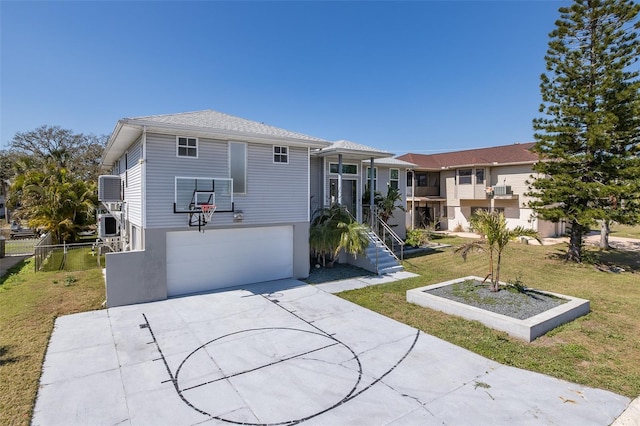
x: 524, y: 315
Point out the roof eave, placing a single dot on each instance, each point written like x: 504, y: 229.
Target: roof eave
x: 359, y: 154
x: 492, y: 164
x: 116, y: 146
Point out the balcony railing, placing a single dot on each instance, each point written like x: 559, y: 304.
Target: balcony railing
x: 503, y: 192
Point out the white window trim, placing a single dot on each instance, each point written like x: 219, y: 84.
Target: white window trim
x: 281, y: 154
x: 343, y: 173
x: 246, y: 165
x: 197, y: 147
x: 470, y: 176
x: 394, y: 180
x: 375, y: 178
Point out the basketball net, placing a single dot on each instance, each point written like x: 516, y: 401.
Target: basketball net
x: 207, y: 211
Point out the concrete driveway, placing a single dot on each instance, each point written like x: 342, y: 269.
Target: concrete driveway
x: 282, y: 353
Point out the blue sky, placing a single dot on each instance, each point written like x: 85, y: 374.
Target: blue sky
x: 423, y: 77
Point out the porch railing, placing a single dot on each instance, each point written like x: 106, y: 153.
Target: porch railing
x: 386, y: 233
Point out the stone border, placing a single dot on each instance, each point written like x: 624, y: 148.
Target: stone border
x: 527, y: 330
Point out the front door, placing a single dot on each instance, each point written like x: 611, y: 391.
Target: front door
x: 349, y: 195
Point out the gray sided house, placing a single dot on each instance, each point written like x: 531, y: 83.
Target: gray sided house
x: 165, y: 171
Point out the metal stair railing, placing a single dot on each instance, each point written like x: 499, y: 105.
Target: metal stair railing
x: 386, y: 229
x: 379, y: 241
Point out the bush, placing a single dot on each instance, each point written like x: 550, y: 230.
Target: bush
x: 417, y: 237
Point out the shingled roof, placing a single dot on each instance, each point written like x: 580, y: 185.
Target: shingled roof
x: 214, y: 120
x: 354, y: 150
x: 205, y: 123
x: 496, y: 155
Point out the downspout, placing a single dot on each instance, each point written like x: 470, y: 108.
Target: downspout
x: 309, y: 184
x: 143, y: 186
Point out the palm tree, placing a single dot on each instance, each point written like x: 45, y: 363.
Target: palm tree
x: 387, y: 204
x: 332, y: 230
x: 496, y: 236
x: 54, y: 201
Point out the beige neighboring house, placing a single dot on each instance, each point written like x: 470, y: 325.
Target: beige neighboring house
x: 448, y: 188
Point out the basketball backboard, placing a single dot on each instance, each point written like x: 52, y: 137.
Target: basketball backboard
x: 192, y: 192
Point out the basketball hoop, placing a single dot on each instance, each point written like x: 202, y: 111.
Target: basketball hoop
x: 207, y: 211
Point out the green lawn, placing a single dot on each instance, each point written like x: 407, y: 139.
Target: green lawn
x: 601, y: 349
x: 625, y: 231
x: 29, y: 305
x: 77, y: 259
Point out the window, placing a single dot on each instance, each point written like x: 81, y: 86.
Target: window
x: 238, y: 166
x: 126, y: 169
x: 427, y: 179
x: 375, y: 177
x: 347, y: 169
x: 394, y: 176
x: 434, y: 179
x: 187, y: 147
x: 280, y: 154
x: 410, y: 178
x: 479, y: 176
x: 464, y: 176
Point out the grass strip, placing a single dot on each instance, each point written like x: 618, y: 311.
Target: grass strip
x: 29, y: 304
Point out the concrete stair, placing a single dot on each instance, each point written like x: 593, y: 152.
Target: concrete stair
x: 379, y: 254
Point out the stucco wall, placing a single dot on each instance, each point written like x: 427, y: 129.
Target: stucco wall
x: 138, y: 276
x: 141, y: 276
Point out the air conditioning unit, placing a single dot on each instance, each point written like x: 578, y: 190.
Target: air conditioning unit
x: 108, y: 226
x: 109, y: 188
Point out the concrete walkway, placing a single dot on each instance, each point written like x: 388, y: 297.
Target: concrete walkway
x: 9, y: 262
x: 282, y: 353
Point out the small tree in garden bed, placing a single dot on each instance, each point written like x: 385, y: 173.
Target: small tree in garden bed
x: 496, y: 236
x: 332, y: 230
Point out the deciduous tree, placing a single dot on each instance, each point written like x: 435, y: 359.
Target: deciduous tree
x: 76, y: 152
x: 52, y: 174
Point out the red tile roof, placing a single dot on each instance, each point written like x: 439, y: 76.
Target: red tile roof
x: 506, y: 154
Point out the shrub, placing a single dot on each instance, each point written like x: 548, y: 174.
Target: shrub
x: 417, y: 237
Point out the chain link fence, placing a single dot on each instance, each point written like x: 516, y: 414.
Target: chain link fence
x: 24, y: 247
x: 67, y: 257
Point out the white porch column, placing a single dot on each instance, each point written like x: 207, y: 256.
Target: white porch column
x: 371, y: 193
x: 413, y: 199
x: 339, y: 179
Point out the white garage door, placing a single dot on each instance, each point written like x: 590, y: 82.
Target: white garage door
x: 222, y: 258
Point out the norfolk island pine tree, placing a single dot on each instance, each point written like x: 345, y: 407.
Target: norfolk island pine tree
x: 589, y: 135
